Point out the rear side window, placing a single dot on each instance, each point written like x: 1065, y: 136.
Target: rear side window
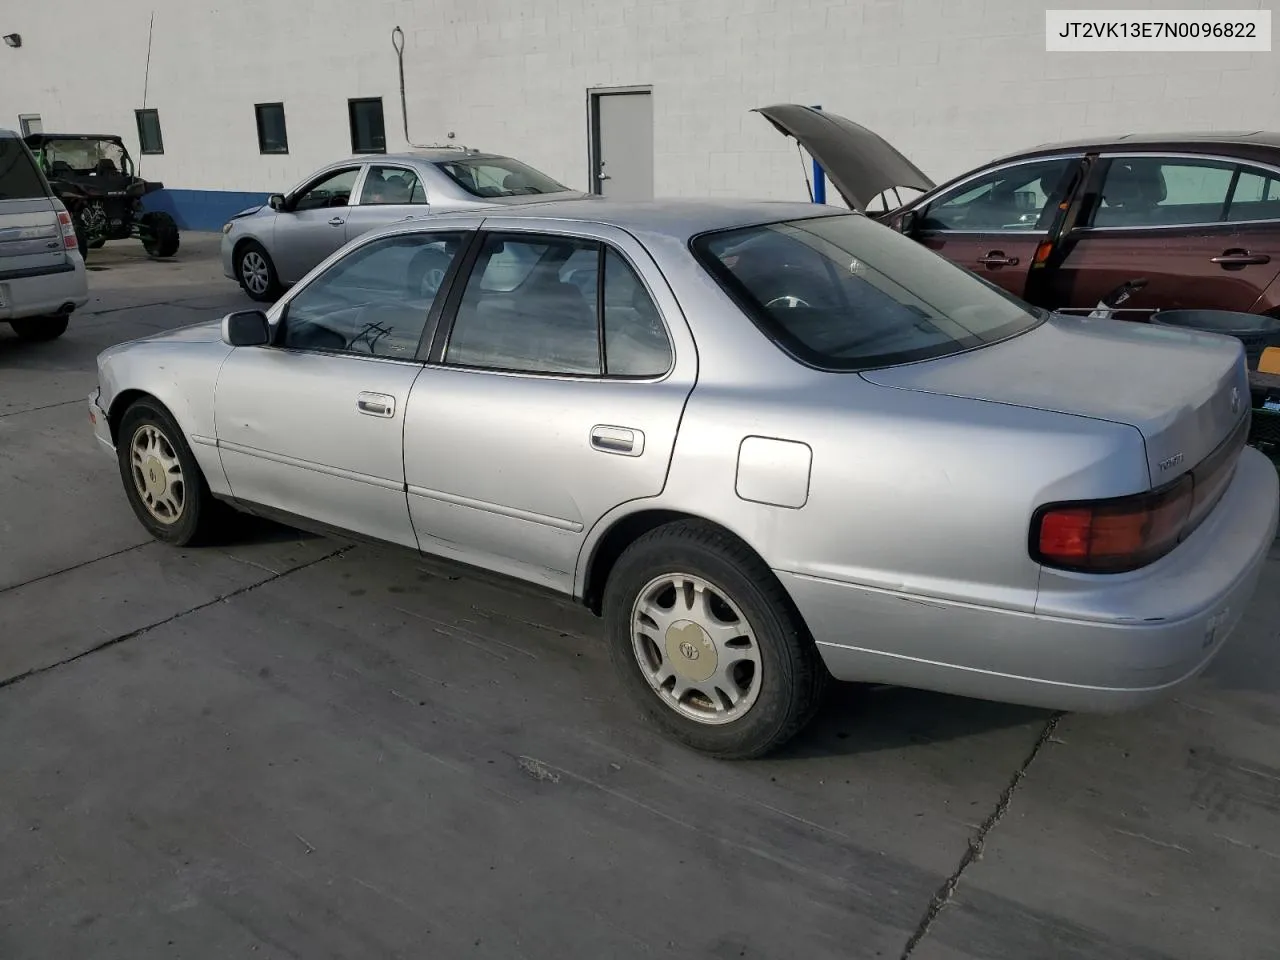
x: 19, y: 178
x: 846, y: 293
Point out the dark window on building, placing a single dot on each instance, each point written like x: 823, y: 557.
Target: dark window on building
x: 149, y: 139
x: 368, y: 135
x: 272, y: 135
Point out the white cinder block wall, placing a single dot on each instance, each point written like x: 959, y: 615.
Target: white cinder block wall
x: 949, y: 82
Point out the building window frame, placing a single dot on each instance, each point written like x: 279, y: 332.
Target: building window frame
x: 140, y: 117
x: 259, y: 110
x: 356, y: 147
x: 25, y: 121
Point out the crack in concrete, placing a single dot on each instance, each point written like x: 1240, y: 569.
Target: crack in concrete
x: 140, y: 631
x: 47, y: 406
x: 74, y: 566
x: 976, y: 844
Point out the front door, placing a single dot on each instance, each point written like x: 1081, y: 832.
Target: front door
x: 524, y: 430
x: 389, y: 194
x: 994, y: 223
x: 1203, y: 232
x: 313, y: 425
x: 622, y: 134
x: 313, y: 223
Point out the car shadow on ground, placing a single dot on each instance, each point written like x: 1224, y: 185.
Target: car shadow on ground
x: 859, y: 718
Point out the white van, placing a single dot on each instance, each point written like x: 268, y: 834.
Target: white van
x: 42, y: 275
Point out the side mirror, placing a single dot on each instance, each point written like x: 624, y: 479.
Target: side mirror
x: 276, y: 201
x: 908, y: 223
x: 246, y: 328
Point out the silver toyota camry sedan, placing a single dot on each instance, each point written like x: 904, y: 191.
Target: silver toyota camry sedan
x: 268, y: 248
x: 770, y: 444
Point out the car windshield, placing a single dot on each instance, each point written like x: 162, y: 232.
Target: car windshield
x: 19, y: 178
x: 82, y: 156
x: 498, y: 177
x: 847, y: 293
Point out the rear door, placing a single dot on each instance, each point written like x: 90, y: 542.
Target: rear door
x: 314, y: 223
x: 993, y: 222
x: 524, y: 430
x: 1203, y: 231
x: 30, y: 237
x: 389, y: 193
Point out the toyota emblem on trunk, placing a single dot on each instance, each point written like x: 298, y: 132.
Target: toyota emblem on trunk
x: 1235, y: 399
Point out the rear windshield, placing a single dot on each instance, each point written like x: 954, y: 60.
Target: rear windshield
x: 498, y: 177
x: 847, y: 293
x: 19, y: 178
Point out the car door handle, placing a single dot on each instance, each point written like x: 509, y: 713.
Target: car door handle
x: 620, y: 440
x: 996, y: 258
x: 376, y: 404
x: 336, y: 222
x: 1239, y: 258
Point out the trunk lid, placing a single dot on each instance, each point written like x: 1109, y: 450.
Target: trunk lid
x: 861, y: 164
x: 1186, y: 392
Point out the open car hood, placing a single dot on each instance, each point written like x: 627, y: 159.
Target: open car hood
x: 861, y: 164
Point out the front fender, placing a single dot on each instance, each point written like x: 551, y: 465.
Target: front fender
x: 180, y: 375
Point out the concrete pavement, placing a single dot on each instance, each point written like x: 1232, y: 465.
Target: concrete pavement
x: 290, y: 746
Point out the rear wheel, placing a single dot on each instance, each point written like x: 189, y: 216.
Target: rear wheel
x: 39, y: 328
x: 160, y: 237
x: 162, y: 480
x: 256, y: 272
x: 707, y: 644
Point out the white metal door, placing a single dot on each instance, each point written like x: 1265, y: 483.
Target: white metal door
x: 622, y: 124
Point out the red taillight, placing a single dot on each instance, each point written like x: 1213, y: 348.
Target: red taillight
x: 68, y: 230
x: 1110, y: 536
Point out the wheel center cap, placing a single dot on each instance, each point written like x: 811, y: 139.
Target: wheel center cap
x: 153, y: 473
x: 690, y: 651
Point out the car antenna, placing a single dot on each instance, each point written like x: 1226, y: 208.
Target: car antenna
x: 397, y: 41
x: 146, y: 80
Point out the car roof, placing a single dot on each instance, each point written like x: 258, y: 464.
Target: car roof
x: 1250, y: 143
x: 430, y: 155
x: 669, y: 217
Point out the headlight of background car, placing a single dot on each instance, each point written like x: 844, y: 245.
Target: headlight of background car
x: 226, y: 227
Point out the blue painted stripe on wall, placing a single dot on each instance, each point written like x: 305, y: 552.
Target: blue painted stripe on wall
x: 202, y: 209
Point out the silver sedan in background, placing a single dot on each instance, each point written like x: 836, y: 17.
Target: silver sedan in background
x: 769, y: 443
x: 269, y: 248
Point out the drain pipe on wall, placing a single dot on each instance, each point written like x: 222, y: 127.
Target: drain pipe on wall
x: 397, y: 41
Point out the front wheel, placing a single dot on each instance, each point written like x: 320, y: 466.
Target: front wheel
x: 256, y: 272
x: 161, y: 478
x: 160, y: 237
x: 40, y: 328
x: 708, y: 645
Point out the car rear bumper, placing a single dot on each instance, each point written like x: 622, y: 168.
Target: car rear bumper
x: 98, y: 418
x: 45, y: 293
x: 1137, y: 638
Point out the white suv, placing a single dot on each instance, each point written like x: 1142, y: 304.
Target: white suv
x: 42, y: 275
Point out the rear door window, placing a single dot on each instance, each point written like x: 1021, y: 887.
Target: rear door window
x: 19, y: 178
x: 1256, y: 197
x: 1163, y: 192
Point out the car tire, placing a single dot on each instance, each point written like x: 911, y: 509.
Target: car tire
x: 82, y: 237
x: 37, y: 329
x: 750, y: 640
x: 256, y: 273
x: 153, y: 454
x: 97, y: 244
x: 160, y: 237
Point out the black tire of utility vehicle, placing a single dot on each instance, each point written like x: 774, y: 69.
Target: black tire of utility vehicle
x: 82, y: 237
x: 38, y: 329
x: 160, y: 237
x: 793, y: 678
x: 273, y: 288
x: 200, y: 512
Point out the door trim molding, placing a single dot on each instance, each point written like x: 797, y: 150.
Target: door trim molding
x: 569, y: 526
x: 396, y: 485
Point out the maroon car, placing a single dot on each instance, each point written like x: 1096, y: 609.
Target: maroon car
x: 1062, y: 225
